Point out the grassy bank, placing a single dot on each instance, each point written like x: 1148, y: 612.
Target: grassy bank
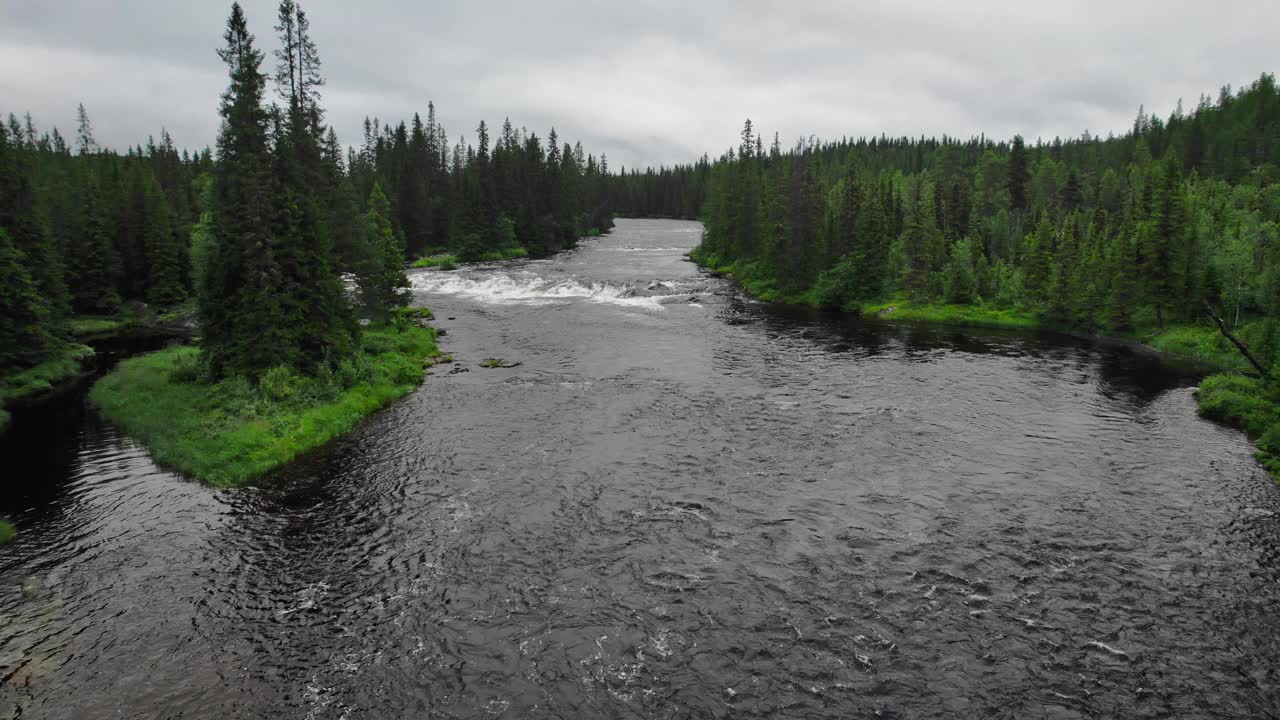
x: 1250, y: 404
x: 228, y: 432
x: 7, y: 532
x: 34, y: 381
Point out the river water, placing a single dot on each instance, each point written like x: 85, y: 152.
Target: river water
x: 680, y: 504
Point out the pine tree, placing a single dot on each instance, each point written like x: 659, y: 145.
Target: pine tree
x: 381, y: 277
x: 318, y: 325
x: 24, y: 325
x: 93, y: 265
x: 85, y: 143
x: 241, y: 321
x: 165, y: 256
x: 1018, y: 175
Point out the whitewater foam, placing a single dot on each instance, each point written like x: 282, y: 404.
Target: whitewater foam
x: 528, y: 289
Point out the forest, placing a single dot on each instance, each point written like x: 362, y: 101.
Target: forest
x: 259, y: 232
x: 282, y: 242
x: 1105, y: 234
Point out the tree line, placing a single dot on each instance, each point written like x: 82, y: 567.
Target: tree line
x: 260, y: 231
x: 1092, y: 233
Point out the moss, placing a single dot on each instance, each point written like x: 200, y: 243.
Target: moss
x: 7, y: 532
x: 42, y: 378
x: 229, y: 432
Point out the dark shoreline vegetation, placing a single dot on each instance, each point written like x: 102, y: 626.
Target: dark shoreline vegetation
x: 1133, y: 237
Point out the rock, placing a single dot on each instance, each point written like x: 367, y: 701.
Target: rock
x: 693, y: 298
x: 32, y: 587
x: 441, y: 332
x: 453, y: 318
x: 497, y: 363
x: 886, y: 311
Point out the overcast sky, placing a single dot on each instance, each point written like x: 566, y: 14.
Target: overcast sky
x: 651, y: 81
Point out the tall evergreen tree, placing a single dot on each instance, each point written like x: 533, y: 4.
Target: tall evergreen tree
x: 381, y: 277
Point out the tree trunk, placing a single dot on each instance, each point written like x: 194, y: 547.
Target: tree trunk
x: 1244, y: 349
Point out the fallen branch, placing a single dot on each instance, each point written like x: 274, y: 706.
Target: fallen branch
x: 1244, y: 349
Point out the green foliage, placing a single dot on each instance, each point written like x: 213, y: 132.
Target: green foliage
x: 7, y: 532
x: 443, y: 262
x: 966, y: 315
x: 844, y: 285
x: 233, y: 430
x: 24, y: 324
x: 960, y: 275
x: 64, y: 365
x: 384, y: 287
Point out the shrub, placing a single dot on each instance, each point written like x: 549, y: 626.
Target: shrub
x: 1239, y: 401
x: 187, y: 366
x: 280, y: 383
x: 353, y: 370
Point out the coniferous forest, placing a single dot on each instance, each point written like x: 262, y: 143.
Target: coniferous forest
x: 313, y: 407
x: 260, y: 229
x: 1095, y: 234
x: 282, y: 241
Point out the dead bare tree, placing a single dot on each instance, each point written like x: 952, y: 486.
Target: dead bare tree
x: 1244, y: 349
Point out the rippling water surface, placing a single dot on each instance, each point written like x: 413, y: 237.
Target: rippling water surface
x: 680, y: 504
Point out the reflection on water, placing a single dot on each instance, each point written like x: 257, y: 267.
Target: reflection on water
x: 682, y: 503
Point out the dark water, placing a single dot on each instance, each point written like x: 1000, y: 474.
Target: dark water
x: 670, y: 509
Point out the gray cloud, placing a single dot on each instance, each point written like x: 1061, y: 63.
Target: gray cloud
x: 652, y: 82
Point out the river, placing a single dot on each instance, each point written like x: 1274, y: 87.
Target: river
x: 681, y: 503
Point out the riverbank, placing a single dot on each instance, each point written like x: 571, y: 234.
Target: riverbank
x: 75, y: 357
x: 1227, y: 396
x: 229, y: 432
x: 64, y: 366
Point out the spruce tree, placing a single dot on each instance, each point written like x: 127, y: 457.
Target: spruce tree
x: 241, y: 321
x: 318, y: 325
x: 93, y: 263
x: 1018, y: 175
x: 24, y: 325
x: 381, y: 277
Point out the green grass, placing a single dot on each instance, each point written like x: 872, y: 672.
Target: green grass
x: 229, y: 432
x: 44, y: 377
x: 7, y: 532
x: 508, y: 254
x: 451, y: 262
x: 444, y: 262
x: 1250, y: 404
x: 98, y: 326
x: 943, y: 314
x: 1202, y: 343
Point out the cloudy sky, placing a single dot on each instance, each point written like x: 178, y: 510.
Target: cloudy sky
x: 651, y: 81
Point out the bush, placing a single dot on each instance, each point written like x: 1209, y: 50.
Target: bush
x: 187, y: 366
x: 280, y: 383
x: 353, y: 370
x: 1238, y: 401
